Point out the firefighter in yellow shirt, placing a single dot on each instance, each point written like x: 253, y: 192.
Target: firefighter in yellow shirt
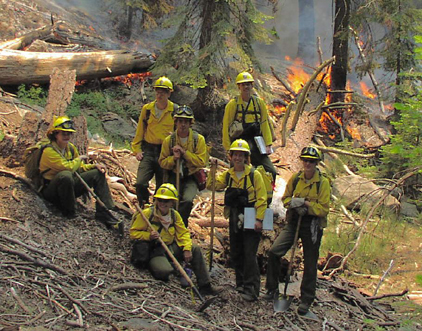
x: 243, y: 189
x: 58, y: 164
x: 246, y: 117
x: 155, y: 123
x: 307, y: 196
x: 167, y: 224
x: 188, y: 148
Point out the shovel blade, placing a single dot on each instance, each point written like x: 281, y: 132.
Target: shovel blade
x: 282, y: 304
x: 205, y: 304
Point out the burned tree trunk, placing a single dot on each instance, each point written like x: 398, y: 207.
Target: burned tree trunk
x: 19, y: 67
x: 340, y: 50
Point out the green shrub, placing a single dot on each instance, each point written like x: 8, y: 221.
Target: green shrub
x: 32, y: 95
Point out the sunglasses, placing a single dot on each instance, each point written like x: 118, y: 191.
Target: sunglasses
x: 309, y: 160
x: 246, y: 84
x: 163, y: 200
x: 66, y: 125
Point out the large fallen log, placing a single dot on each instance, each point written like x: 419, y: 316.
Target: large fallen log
x: 19, y: 67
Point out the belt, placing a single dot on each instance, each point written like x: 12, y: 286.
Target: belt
x: 147, y: 145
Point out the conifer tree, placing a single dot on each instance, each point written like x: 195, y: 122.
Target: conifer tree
x: 214, y: 35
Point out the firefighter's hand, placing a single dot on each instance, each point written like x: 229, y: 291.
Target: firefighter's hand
x: 139, y: 156
x: 83, y: 157
x: 101, y: 167
x: 187, y: 256
x: 154, y: 235
x: 213, y: 161
x: 302, y: 211
x: 297, y: 202
x: 258, y: 226
x: 179, y: 149
x: 269, y: 150
x: 176, y: 155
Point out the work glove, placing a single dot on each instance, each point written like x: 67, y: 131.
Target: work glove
x: 302, y: 211
x: 297, y: 202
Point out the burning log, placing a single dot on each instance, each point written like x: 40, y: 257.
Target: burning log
x: 19, y: 67
x: 284, y: 83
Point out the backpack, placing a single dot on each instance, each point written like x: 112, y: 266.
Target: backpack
x: 266, y: 177
x: 32, y: 158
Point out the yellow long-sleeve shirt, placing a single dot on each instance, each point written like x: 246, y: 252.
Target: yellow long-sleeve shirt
x: 319, y: 198
x: 230, y: 116
x: 53, y: 161
x: 195, y: 157
x: 256, y: 191
x: 176, y: 231
x: 156, y: 129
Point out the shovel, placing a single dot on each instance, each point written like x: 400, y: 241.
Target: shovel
x: 283, y: 304
x: 205, y: 303
x: 119, y: 223
x: 178, y: 181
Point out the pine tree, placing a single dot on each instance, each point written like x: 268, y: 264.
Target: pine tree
x: 213, y: 37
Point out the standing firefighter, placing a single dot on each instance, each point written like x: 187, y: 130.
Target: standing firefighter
x: 245, y: 188
x: 187, y: 149
x: 167, y: 224
x: 59, y: 162
x: 155, y: 123
x: 246, y: 117
x: 307, y: 196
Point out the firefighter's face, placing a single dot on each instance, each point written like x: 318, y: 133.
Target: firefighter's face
x: 245, y: 87
x: 63, y: 138
x: 183, y: 125
x: 239, y: 159
x: 164, y: 205
x: 162, y: 93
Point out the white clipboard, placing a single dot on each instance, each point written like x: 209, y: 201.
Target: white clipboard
x: 260, y: 143
x: 250, y: 218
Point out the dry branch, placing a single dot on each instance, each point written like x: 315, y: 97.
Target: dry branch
x: 339, y: 151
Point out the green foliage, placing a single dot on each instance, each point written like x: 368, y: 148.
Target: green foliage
x: 1, y: 135
x: 32, y: 95
x: 212, y: 36
x: 405, y: 148
x: 419, y: 280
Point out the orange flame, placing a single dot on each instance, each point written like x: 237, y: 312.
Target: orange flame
x: 279, y: 109
x: 366, y: 92
x: 354, y: 132
x: 128, y: 79
x: 296, y: 76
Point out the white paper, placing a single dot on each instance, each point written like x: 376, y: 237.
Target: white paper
x: 250, y: 218
x: 260, y: 143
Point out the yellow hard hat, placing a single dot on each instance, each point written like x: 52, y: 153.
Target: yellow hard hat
x: 166, y: 191
x: 183, y: 112
x: 244, y: 77
x: 62, y: 123
x: 310, y: 153
x: 163, y: 82
x: 240, y: 145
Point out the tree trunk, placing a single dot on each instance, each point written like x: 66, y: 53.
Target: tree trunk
x: 307, y: 47
x: 340, y: 49
x: 20, y: 67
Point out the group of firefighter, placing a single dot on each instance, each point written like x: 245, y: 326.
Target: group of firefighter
x: 168, y: 149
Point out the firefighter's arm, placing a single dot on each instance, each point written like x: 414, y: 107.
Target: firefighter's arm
x: 198, y: 157
x: 321, y: 206
x: 261, y: 196
x: 265, y: 124
x: 139, y: 229
x: 220, y: 181
x: 288, y: 193
x: 140, y: 131
x: 166, y: 159
x: 182, y: 234
x: 51, y: 159
x: 229, y: 113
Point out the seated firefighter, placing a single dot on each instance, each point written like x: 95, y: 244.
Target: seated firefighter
x: 184, y: 153
x: 58, y: 164
x: 166, y: 223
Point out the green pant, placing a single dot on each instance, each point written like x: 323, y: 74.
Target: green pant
x: 161, y: 267
x: 243, y: 250
x: 310, y: 251
x: 187, y: 192
x: 148, y: 167
x: 65, y: 187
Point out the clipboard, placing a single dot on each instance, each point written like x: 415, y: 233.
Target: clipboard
x: 250, y: 218
x: 260, y: 143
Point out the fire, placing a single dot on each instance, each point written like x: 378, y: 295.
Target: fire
x: 296, y: 76
x: 279, y: 109
x: 287, y: 58
x: 366, y: 92
x: 129, y: 79
x: 354, y: 132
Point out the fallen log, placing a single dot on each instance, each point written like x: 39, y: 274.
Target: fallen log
x: 19, y: 67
